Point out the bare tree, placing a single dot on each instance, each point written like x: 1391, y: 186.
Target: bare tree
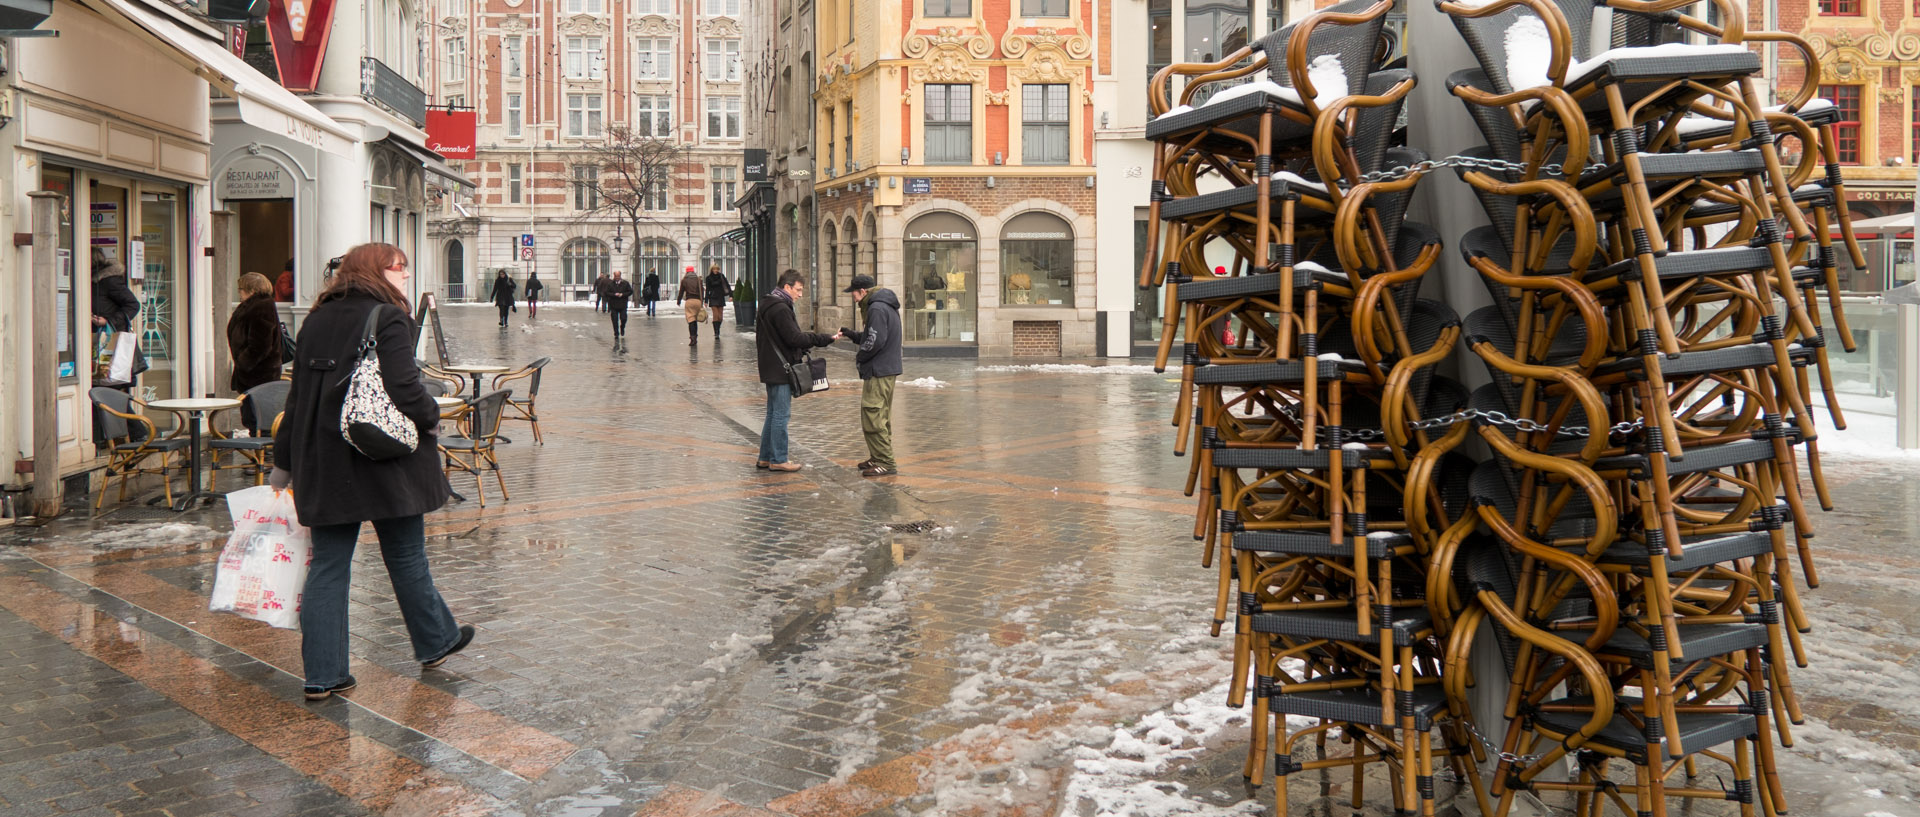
x: 632, y: 170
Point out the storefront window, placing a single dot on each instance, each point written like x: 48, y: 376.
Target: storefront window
x: 456, y: 271
x: 1148, y: 304
x: 1036, y: 261
x: 942, y: 257
x: 162, y: 294
x: 67, y: 318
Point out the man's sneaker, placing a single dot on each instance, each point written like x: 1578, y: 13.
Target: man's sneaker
x: 466, y: 637
x: 323, y: 693
x: 875, y: 469
x: 863, y: 465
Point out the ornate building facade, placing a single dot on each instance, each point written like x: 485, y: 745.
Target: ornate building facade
x: 955, y: 145
x: 1870, y: 67
x: 548, y: 78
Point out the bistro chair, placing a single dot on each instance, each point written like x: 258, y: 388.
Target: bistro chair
x: 473, y: 451
x: 524, y: 409
x: 132, y: 439
x: 264, y: 404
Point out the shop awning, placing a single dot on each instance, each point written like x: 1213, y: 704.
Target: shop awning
x: 262, y: 102
x: 1896, y: 223
x: 433, y: 162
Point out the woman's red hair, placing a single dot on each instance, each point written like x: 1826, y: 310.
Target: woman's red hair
x: 364, y: 269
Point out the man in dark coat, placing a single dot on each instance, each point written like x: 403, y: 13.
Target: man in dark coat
x: 600, y: 292
x: 616, y: 295
x: 650, y: 291
x: 777, y: 334
x: 879, y: 364
x: 717, y: 290
x: 502, y: 296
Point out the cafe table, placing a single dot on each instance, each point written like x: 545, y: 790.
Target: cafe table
x: 195, y: 408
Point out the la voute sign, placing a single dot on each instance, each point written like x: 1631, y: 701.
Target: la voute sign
x: 451, y: 133
x: 298, y: 30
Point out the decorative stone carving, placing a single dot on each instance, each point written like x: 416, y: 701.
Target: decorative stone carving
x: 512, y: 24
x: 1000, y: 98
x: 1072, y: 44
x: 971, y: 42
x: 583, y: 24
x: 652, y: 25
x: 1892, y: 94
x: 457, y: 25
x: 720, y: 27
x: 948, y: 64
x: 1045, y: 66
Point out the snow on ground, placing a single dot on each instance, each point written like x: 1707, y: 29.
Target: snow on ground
x: 927, y: 383
x: 1072, y: 368
x: 1870, y: 429
x: 149, y: 535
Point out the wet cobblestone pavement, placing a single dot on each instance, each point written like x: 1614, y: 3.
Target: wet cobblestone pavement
x: 664, y: 630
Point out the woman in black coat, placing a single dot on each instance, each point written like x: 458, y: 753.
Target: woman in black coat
x: 502, y: 295
x: 114, y: 303
x: 253, y: 335
x: 335, y: 488
x: 717, y: 291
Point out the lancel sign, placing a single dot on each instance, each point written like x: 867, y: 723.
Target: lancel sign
x: 256, y: 178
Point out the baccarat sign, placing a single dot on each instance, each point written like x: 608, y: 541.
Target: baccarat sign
x: 298, y: 30
x: 451, y: 133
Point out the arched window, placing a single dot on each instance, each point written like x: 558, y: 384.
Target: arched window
x: 729, y: 255
x: 581, y: 261
x: 456, y: 271
x: 658, y: 256
x: 1036, y: 261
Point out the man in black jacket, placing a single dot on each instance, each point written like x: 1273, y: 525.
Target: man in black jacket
x: 779, y: 340
x: 879, y: 362
x: 615, y: 295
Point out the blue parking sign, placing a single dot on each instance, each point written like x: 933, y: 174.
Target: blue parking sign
x: 526, y: 239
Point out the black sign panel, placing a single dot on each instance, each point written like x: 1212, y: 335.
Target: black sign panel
x: 756, y: 164
x: 385, y: 86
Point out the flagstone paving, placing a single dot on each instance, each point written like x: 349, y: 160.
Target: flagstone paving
x: 664, y: 630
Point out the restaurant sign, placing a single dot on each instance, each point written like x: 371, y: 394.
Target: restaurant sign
x: 252, y: 177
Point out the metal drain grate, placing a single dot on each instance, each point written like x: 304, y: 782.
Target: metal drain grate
x: 921, y: 526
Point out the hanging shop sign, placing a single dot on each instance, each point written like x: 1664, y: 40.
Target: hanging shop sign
x: 756, y: 164
x: 451, y: 133
x: 298, y: 30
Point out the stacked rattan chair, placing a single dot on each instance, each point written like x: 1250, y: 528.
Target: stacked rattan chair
x: 1656, y: 273
x: 1630, y: 520
x: 1279, y: 221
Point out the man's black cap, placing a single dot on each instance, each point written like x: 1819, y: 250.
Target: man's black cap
x: 859, y: 282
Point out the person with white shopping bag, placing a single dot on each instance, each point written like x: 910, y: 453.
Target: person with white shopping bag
x: 380, y: 465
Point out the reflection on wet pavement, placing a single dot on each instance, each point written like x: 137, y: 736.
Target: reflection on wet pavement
x: 665, y: 630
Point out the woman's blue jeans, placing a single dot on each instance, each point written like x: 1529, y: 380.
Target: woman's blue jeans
x: 323, y: 607
x: 773, y: 434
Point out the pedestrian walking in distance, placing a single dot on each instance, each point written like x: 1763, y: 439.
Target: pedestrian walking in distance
x: 336, y: 488
x: 879, y: 364
x: 616, y: 295
x: 503, y: 296
x: 600, y: 292
x: 534, y: 287
x: 775, y: 327
x: 692, y: 296
x: 717, y: 290
x: 253, y: 336
x: 650, y: 291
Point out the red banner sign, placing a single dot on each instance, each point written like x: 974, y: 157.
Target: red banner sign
x: 237, y: 41
x: 451, y: 133
x: 298, y: 30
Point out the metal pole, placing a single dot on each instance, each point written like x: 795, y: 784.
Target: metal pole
x: 1906, y: 401
x: 46, y: 358
x: 226, y: 276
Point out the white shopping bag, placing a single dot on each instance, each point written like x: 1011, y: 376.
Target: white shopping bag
x: 126, y: 348
x: 263, y: 569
